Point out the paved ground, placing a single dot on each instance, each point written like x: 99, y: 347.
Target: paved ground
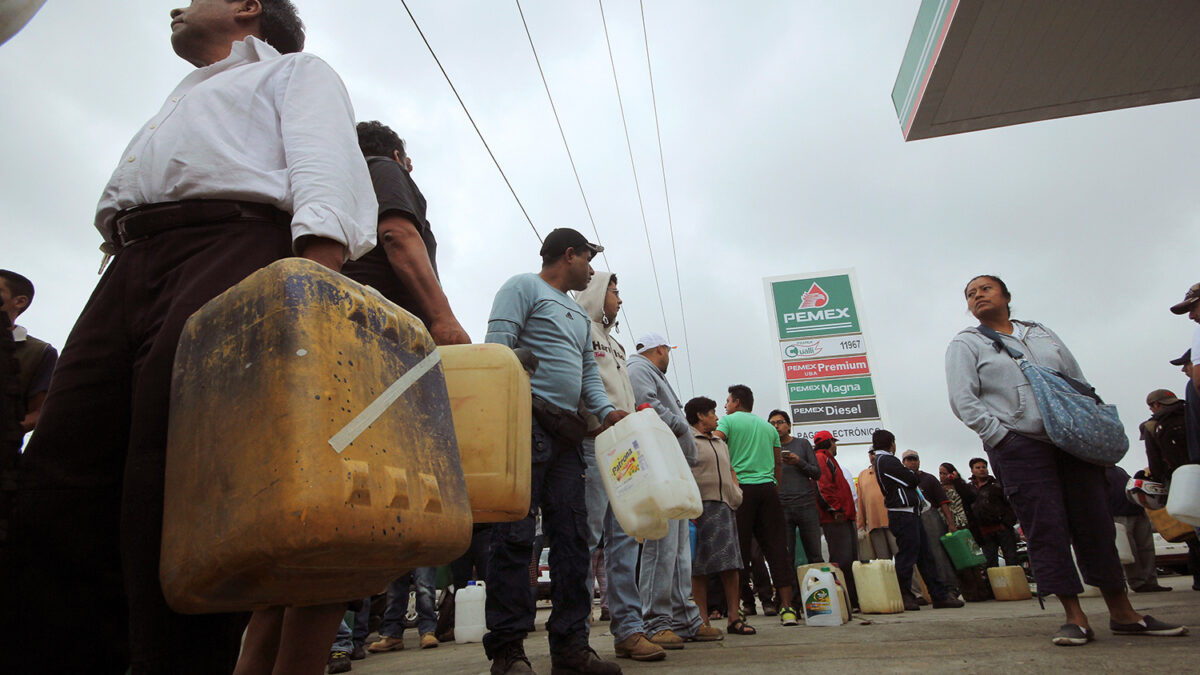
x: 1010, y: 637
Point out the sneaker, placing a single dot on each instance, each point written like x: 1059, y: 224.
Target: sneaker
x: 583, y: 662
x: 948, y: 602
x: 510, y: 659
x: 706, y: 633
x: 769, y: 610
x: 921, y: 600
x: 638, y: 648
x: 339, y: 662
x: 1072, y: 635
x: 1156, y: 588
x: 359, y: 653
x: 787, y: 617
x: 667, y: 639
x: 1147, y: 626
x: 749, y: 610
x: 386, y: 644
x: 428, y: 640
x: 910, y: 604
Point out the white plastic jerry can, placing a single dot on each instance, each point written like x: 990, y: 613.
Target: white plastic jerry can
x: 1183, y: 501
x: 469, y: 621
x: 647, y: 479
x: 819, y: 591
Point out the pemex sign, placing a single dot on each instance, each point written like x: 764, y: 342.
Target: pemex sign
x: 823, y: 352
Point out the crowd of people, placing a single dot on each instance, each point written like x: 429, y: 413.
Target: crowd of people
x: 256, y: 156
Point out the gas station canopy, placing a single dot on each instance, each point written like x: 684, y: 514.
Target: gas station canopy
x: 981, y: 64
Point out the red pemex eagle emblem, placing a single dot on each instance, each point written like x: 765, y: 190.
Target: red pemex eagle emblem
x: 815, y: 297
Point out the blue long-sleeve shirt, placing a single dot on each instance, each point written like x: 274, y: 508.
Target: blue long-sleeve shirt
x: 528, y: 312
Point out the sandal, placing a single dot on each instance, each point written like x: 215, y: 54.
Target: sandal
x: 716, y: 614
x: 740, y: 627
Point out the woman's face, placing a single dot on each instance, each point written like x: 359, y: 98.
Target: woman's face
x: 947, y: 476
x: 985, y: 297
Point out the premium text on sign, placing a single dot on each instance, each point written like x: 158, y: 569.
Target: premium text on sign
x: 819, y: 368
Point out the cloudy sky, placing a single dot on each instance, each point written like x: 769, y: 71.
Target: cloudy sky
x: 783, y: 156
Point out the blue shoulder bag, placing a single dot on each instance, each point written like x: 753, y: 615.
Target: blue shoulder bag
x: 1076, y: 420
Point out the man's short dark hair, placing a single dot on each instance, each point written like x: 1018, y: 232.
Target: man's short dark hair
x: 742, y: 394
x: 782, y: 414
x: 377, y: 139
x: 18, y: 284
x: 976, y: 460
x: 882, y: 439
x: 281, y: 26
x: 701, y: 405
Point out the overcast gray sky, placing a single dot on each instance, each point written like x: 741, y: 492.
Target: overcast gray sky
x: 783, y: 156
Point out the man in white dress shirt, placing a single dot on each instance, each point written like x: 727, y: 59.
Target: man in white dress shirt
x: 251, y: 159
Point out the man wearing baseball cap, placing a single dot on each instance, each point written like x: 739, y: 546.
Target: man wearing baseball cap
x: 535, y: 312
x: 1190, y: 305
x: 665, y: 579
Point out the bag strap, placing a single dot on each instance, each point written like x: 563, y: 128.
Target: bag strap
x: 1084, y: 389
x: 992, y: 335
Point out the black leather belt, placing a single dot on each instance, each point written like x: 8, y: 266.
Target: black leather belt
x: 145, y: 221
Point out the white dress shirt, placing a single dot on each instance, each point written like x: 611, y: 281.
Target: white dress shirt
x: 260, y: 127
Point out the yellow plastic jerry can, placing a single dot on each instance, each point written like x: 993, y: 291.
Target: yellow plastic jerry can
x: 491, y: 401
x: 311, y: 455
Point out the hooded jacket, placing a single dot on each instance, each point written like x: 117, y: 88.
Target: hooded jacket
x: 988, y: 391
x: 650, y: 386
x: 610, y: 355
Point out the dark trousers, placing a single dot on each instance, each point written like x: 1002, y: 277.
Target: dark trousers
x: 761, y: 517
x: 843, y: 551
x: 1004, y: 539
x: 88, y: 524
x: 1061, y: 501
x: 556, y: 485
x: 934, y: 528
x: 807, y: 520
x: 914, y: 548
x: 473, y: 563
x: 755, y: 570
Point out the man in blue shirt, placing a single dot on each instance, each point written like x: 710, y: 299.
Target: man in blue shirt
x: 534, y: 311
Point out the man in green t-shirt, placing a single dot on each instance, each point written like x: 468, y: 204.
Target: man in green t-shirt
x: 755, y: 456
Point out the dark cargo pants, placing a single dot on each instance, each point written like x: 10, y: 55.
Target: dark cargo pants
x: 913, y: 545
x: 557, y: 486
x: 1061, y: 501
x: 88, y: 525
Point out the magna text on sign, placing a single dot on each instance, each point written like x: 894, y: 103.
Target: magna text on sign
x: 821, y: 368
x: 819, y: 390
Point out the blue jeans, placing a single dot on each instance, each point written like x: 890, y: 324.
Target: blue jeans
x: 425, y: 579
x: 557, y: 486
x: 666, y: 582
x: 345, y: 640
x: 620, y: 565
x: 595, y: 495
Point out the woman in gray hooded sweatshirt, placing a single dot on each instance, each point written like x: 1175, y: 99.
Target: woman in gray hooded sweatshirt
x: 1059, y: 499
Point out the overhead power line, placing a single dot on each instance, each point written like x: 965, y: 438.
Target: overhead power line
x: 666, y: 195
x: 472, y: 119
x: 637, y: 186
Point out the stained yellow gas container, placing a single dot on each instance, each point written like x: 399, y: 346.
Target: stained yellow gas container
x: 1009, y: 583
x: 490, y: 398
x: 311, y: 454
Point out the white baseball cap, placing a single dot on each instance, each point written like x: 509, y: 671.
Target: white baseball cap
x: 650, y: 341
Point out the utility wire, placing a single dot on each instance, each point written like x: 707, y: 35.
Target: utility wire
x: 472, y: 119
x: 636, y: 185
x: 570, y: 157
x: 666, y: 195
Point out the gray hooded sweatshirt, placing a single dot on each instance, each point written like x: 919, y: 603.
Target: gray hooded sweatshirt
x: 650, y: 386
x: 988, y: 391
x: 610, y: 355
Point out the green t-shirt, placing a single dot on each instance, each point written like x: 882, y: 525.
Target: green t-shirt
x: 752, y: 442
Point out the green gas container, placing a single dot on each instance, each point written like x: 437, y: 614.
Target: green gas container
x: 964, y: 552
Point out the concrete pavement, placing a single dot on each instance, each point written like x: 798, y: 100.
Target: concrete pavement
x: 1011, y: 637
